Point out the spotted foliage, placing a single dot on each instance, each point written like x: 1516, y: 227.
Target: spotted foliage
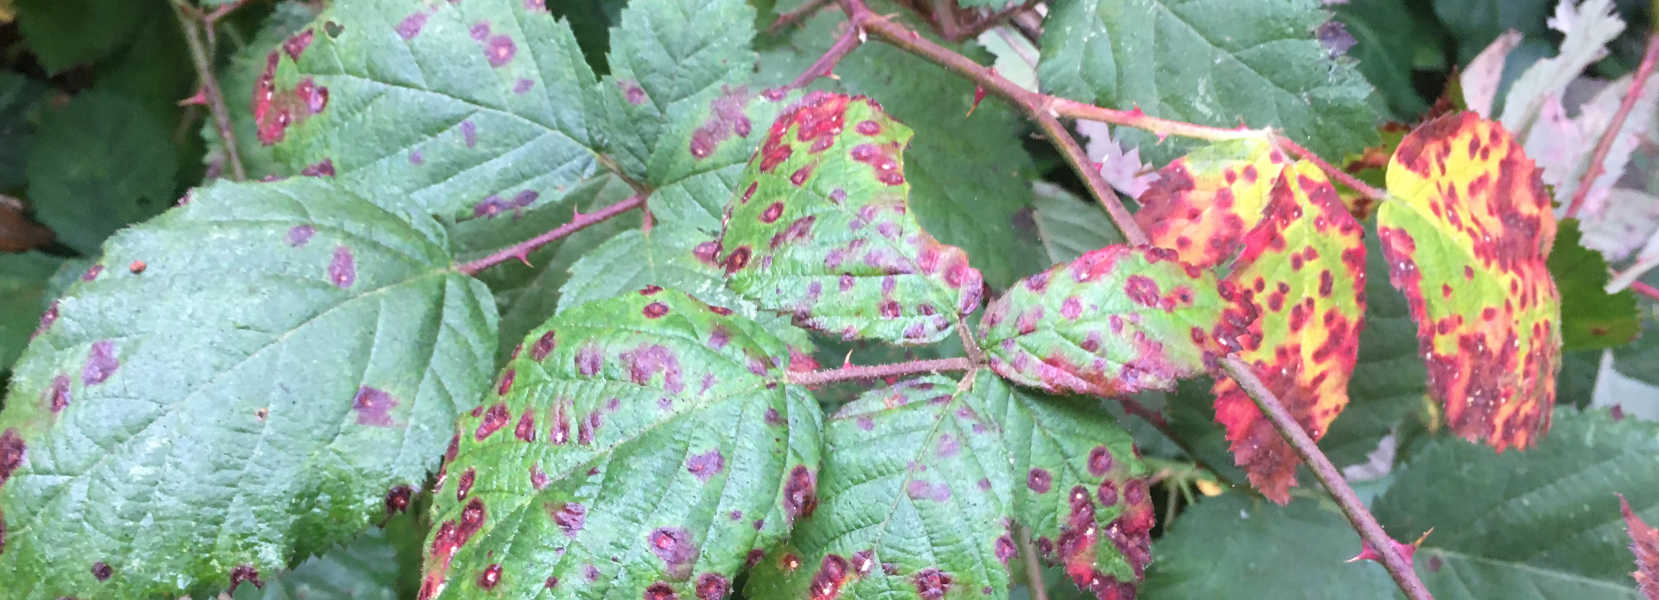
x: 1466, y: 241
x: 945, y: 471
x: 820, y: 229
x: 641, y: 446
x: 1117, y: 320
x: 1301, y: 279
x: 1203, y: 203
x: 286, y: 359
x: 1644, y: 543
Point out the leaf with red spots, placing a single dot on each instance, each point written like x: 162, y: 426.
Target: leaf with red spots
x: 1302, y: 273
x: 1466, y: 239
x: 246, y: 386
x: 642, y: 444
x: 821, y: 230
x: 1117, y: 320
x: 1203, y: 203
x: 924, y: 482
x: 1644, y: 543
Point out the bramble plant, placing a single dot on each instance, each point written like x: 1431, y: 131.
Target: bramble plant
x: 701, y: 299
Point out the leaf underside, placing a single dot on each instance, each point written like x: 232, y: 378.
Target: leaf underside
x: 243, y: 381
x: 924, y: 482
x: 1302, y: 273
x: 820, y: 229
x: 641, y: 446
x: 1117, y: 320
x: 1466, y: 239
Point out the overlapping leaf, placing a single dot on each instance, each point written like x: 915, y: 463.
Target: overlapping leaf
x: 1302, y: 276
x: 101, y: 163
x: 822, y: 230
x: 1117, y: 320
x: 1591, y: 318
x: 638, y: 447
x: 23, y: 281
x: 246, y: 380
x: 924, y: 483
x: 1644, y: 543
x: 1466, y: 242
x: 1203, y: 203
x: 1216, y: 62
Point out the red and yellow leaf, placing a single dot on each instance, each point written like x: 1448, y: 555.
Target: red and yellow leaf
x: 1644, y: 543
x: 1466, y: 236
x: 1117, y: 320
x: 1301, y: 274
x: 1204, y: 202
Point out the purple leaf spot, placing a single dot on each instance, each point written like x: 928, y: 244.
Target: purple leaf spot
x: 523, y: 85
x: 479, y: 31
x: 495, y: 418
x: 538, y: 479
x: 544, y: 346
x: 1100, y: 461
x: 490, y: 576
x: 11, y: 453
x: 649, y: 359
x: 499, y: 50
x: 463, y: 485
x: 634, y: 94
x: 469, y: 133
x: 411, y: 25
x: 244, y: 573
x: 800, y: 494
x: 1038, y: 480
x: 397, y: 499
x: 919, y: 489
x: 92, y: 272
x: 325, y: 168
x: 589, y: 360
x: 297, y: 44
x: 673, y: 545
x: 932, y: 584
x: 101, y: 571
x: 655, y: 310
x: 342, y: 270
x: 58, y: 396
x: 416, y: 158
x: 712, y: 586
x: 298, y: 235
x: 373, y: 407
x: 570, y: 517
x: 705, y: 465
x: 948, y: 446
x: 100, y: 363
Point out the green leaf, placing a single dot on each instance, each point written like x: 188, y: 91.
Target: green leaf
x: 100, y: 163
x: 237, y: 79
x: 1591, y: 318
x: 454, y: 109
x: 1640, y: 359
x: 66, y: 33
x: 1234, y: 546
x: 668, y: 59
x: 286, y: 361
x: 1069, y: 226
x: 924, y: 481
x: 1117, y: 320
x: 23, y: 280
x: 1215, y: 62
x: 1388, y: 36
x: 969, y: 174
x: 1475, y: 23
x: 1466, y: 234
x: 1541, y: 523
x: 378, y: 565
x: 641, y: 446
x: 823, y: 230
x: 19, y: 96
x: 633, y: 259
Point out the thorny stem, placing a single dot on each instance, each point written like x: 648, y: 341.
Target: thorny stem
x: 793, y: 17
x: 825, y: 65
x: 203, y: 60
x: 866, y: 372
x: 1340, y: 175
x: 521, y: 251
x: 1033, y: 569
x: 1398, y: 566
x: 1605, y: 145
x: 992, y: 20
x: 1046, y: 110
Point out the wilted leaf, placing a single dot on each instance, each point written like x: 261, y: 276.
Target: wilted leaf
x: 946, y: 470
x: 1302, y: 276
x: 1588, y: 28
x: 1466, y: 238
x: 822, y: 230
x: 1591, y: 318
x: 1215, y: 62
x: 1644, y: 543
x: 1203, y: 203
x: 1124, y: 170
x: 245, y: 380
x: 1543, y: 523
x: 638, y: 447
x: 99, y: 164
x: 1117, y: 320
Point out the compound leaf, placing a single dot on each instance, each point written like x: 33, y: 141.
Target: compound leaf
x: 1215, y: 62
x: 924, y: 482
x: 1466, y: 239
x: 638, y: 447
x: 1117, y: 320
x: 235, y: 384
x: 1302, y: 274
x: 822, y: 230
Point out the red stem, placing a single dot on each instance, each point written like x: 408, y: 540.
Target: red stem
x: 521, y: 251
x: 866, y: 372
x: 1398, y: 566
x: 825, y: 65
x: 1645, y: 289
x: 1340, y: 175
x: 1605, y: 145
x: 793, y: 17
x: 201, y: 56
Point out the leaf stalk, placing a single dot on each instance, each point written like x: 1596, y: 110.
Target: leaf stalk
x: 521, y: 251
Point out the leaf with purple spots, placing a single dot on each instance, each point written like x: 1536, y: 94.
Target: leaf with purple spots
x: 1117, y: 320
x: 646, y: 443
x: 306, y: 386
x: 1203, y: 203
x: 1301, y: 276
x: 925, y: 481
x: 1467, y: 242
x: 822, y: 231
